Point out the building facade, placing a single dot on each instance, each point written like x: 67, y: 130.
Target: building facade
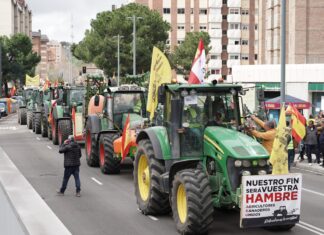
x: 40, y: 41
x: 15, y: 17
x: 304, y: 27
x: 231, y: 25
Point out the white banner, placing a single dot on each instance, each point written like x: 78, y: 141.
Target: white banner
x: 270, y: 200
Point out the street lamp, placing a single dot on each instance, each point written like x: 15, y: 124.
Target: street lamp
x: 134, y: 18
x: 118, y: 56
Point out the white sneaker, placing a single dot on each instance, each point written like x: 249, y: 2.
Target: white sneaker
x: 309, y: 164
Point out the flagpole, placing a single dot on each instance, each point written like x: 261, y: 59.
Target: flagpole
x: 283, y: 52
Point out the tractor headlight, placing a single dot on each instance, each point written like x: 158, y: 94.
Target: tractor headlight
x: 246, y: 173
x: 246, y: 163
x: 184, y: 93
x: 262, y: 172
x: 238, y: 163
x: 262, y: 162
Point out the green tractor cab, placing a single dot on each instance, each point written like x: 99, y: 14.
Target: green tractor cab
x: 104, y: 127
x: 22, y: 103
x: 195, y: 160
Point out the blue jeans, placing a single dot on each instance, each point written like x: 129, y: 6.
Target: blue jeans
x: 68, y: 171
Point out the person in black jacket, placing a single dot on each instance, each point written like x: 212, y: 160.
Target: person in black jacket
x: 72, y: 155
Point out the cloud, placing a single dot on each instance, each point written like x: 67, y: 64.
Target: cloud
x: 53, y: 18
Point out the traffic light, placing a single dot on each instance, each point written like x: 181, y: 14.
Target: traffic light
x: 84, y: 69
x: 260, y: 95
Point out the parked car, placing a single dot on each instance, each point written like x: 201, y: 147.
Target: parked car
x: 2, y: 110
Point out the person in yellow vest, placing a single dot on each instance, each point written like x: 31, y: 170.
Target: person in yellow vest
x: 268, y: 136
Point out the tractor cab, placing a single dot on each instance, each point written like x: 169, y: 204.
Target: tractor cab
x: 73, y: 97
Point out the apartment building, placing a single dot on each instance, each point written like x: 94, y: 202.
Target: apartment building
x: 15, y: 17
x: 54, y: 52
x: 304, y: 37
x: 231, y: 25
x: 40, y: 41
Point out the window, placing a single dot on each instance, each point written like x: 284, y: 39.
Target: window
x: 167, y: 42
x: 224, y: 1
x: 192, y: 27
x: 224, y: 32
x: 234, y: 57
x: 191, y: 11
x: 181, y: 27
x: 229, y: 71
x: 224, y: 62
x: 166, y: 10
x: 234, y: 11
x: 224, y: 47
x: 234, y: 26
x: 255, y: 56
x: 224, y: 77
x: 256, y: 27
x: 214, y: 71
x: 236, y: 42
x: 245, y: 26
x: 245, y: 11
x: 203, y: 27
x: 245, y: 42
x: 180, y: 42
x: 203, y: 11
x: 245, y: 57
x: 181, y: 10
x: 224, y: 17
x: 213, y: 57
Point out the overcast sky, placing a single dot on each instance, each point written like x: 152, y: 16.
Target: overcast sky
x: 53, y: 18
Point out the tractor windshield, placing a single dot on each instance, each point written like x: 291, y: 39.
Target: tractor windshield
x: 129, y: 103
x: 28, y: 94
x: 76, y: 96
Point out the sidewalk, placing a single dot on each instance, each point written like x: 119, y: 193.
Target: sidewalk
x: 304, y: 165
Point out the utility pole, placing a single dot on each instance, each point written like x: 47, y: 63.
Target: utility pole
x: 118, y: 57
x: 134, y: 18
x: 283, y: 52
x: 0, y: 70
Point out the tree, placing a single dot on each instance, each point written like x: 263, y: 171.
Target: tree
x: 18, y: 59
x: 100, y: 47
x: 184, y: 54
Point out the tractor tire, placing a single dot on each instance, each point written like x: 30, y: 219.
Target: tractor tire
x: 91, y: 149
x: 64, y: 130
x: 19, y: 116
x: 108, y: 163
x: 37, y: 123
x: 279, y: 228
x: 49, y: 132
x: 23, y: 116
x: 29, y: 120
x: 147, y: 172
x: 44, y: 127
x: 55, y: 133
x: 191, y: 201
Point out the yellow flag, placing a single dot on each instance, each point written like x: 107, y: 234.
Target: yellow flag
x: 279, y: 154
x: 32, y: 81
x: 160, y: 73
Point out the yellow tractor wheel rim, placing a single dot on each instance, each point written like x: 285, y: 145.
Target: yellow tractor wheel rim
x: 143, y: 178
x: 182, y: 203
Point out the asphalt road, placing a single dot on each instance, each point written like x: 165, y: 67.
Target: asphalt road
x: 107, y: 204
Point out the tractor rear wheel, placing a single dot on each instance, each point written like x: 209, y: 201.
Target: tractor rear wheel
x: 191, y: 198
x: 19, y: 116
x: 37, y: 123
x: 108, y: 163
x: 91, y: 149
x: 64, y: 130
x: 147, y: 172
x: 29, y: 120
x: 44, y: 127
x: 23, y: 116
x: 54, y: 133
x: 49, y: 131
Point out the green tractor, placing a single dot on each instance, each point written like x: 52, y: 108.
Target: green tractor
x: 66, y: 115
x: 34, y: 106
x: 22, y: 110
x: 194, y: 161
x: 104, y: 126
x: 47, y: 96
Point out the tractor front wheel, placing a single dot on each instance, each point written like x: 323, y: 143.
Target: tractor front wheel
x: 192, y: 205
x: 23, y: 116
x: 54, y: 133
x: 64, y: 130
x: 37, y: 123
x: 44, y: 127
x: 147, y: 172
x: 29, y: 120
x: 91, y: 149
x: 108, y: 163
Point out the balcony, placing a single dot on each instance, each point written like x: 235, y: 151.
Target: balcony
x: 230, y: 63
x: 215, y: 64
x: 215, y: 18
x: 233, y: 18
x: 215, y: 33
x: 234, y: 33
x: 215, y: 3
x: 234, y: 49
x: 234, y: 3
x: 216, y: 48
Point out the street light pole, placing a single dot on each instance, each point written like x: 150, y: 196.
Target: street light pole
x: 283, y: 52
x: 118, y: 57
x: 0, y: 70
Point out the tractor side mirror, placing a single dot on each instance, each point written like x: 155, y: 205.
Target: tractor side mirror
x: 161, y: 95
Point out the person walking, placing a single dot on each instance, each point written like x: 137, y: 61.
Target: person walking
x: 268, y: 136
x: 290, y: 148
x: 321, y: 140
x: 311, y: 142
x: 72, y: 155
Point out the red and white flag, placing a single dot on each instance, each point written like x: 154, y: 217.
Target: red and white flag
x: 197, y: 73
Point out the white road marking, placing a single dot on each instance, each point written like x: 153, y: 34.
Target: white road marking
x: 95, y: 180
x: 309, y: 229
x: 312, y: 191
x: 30, y: 131
x: 153, y: 218
x: 49, y: 147
x: 312, y: 226
x: 315, y: 172
x: 8, y: 128
x: 37, y: 138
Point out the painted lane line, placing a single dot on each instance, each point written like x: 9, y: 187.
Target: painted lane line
x: 95, y: 180
x: 309, y: 229
x: 312, y: 226
x: 37, y: 138
x: 153, y: 218
x: 312, y: 191
x: 315, y: 172
x: 49, y: 147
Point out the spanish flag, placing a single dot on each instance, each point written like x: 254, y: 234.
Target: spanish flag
x: 160, y: 73
x: 13, y: 91
x: 298, y: 124
x: 126, y: 138
x: 47, y: 84
x: 198, y: 69
x: 279, y: 154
